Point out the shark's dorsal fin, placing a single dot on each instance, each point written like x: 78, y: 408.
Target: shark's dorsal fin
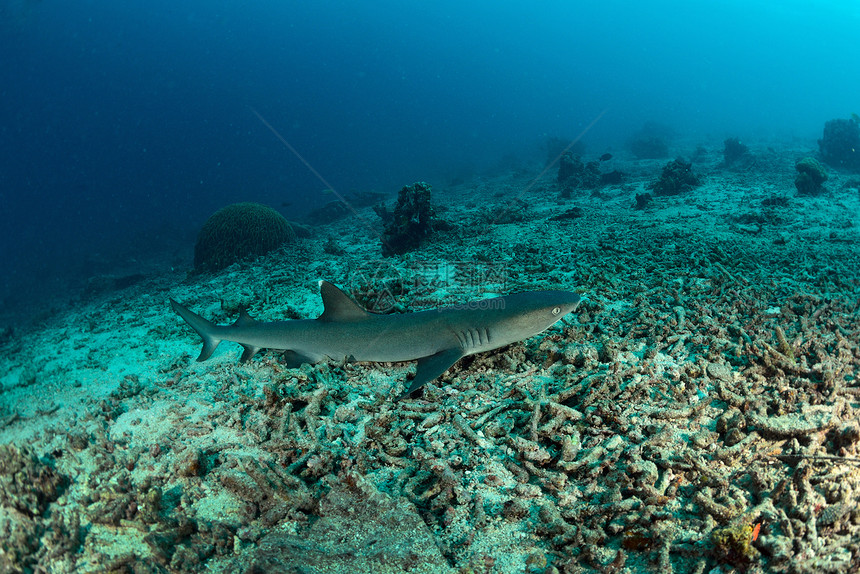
x: 337, y: 306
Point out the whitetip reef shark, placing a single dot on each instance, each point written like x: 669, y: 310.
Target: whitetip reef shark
x: 437, y: 338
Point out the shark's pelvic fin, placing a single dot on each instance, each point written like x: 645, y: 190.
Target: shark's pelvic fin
x: 431, y: 367
x: 337, y: 305
x: 248, y: 353
x: 204, y: 328
x: 294, y: 359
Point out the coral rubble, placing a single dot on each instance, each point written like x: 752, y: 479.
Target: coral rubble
x: 698, y: 413
x: 30, y: 538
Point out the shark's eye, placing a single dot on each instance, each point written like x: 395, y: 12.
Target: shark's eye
x: 556, y: 310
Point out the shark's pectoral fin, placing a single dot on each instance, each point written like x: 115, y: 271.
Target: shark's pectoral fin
x: 432, y: 367
x: 295, y: 359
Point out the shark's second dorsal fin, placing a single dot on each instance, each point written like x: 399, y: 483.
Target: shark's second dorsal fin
x: 337, y: 306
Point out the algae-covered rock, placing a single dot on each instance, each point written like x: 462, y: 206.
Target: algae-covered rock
x: 733, y: 544
x: 237, y: 232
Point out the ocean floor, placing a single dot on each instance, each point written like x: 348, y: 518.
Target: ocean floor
x: 697, y: 413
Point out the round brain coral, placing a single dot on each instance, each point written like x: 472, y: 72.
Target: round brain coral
x: 237, y: 232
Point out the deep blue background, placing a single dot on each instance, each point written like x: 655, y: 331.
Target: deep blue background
x: 123, y: 125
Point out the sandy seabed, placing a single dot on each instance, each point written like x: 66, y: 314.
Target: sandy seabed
x: 697, y: 413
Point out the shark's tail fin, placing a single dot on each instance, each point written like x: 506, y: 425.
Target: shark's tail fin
x: 204, y: 328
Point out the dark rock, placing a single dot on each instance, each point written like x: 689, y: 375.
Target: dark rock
x: 332, y: 247
x: 7, y: 334
x: 642, y: 200
x: 359, y: 199
x: 700, y: 154
x: 342, y: 207
x: 302, y: 231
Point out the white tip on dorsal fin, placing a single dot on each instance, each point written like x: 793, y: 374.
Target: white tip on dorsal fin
x: 337, y: 306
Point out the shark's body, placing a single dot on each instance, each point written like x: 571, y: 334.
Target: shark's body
x: 436, y: 339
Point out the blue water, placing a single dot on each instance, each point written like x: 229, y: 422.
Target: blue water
x: 123, y: 125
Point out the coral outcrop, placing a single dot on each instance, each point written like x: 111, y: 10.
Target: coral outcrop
x: 810, y: 177
x: 410, y: 223
x: 736, y: 154
x: 573, y: 174
x: 237, y: 232
x: 840, y: 144
x: 677, y: 177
